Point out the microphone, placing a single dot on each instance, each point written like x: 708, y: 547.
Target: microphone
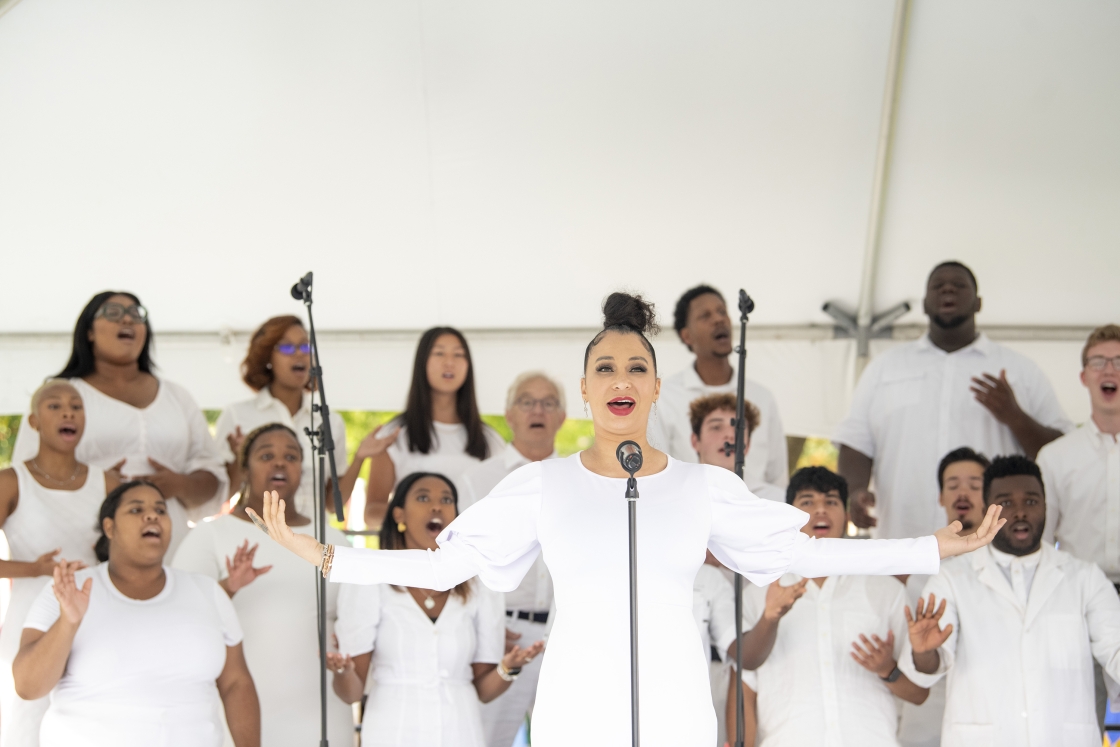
x: 629, y: 456
x: 302, y: 288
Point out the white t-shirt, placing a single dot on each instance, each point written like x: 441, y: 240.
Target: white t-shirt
x: 671, y: 429
x: 1081, y: 472
x: 263, y: 409
x: 279, y: 613
x: 913, y: 405
x: 448, y: 455
x: 171, y: 430
x: 141, y: 672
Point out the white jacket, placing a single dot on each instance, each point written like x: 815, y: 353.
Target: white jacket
x: 1022, y: 676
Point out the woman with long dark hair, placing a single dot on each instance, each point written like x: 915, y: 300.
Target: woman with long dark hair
x: 274, y: 595
x: 134, y: 653
x: 573, y: 510
x: 136, y: 423
x: 440, y: 429
x: 277, y: 367
x: 425, y: 694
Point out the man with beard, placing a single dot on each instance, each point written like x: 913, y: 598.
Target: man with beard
x: 1016, y: 627
x: 914, y: 402
x: 704, y: 326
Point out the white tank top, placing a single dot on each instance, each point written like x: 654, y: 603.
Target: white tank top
x: 43, y: 520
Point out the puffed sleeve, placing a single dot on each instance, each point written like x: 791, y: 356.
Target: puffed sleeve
x: 490, y: 626
x: 763, y: 539
x: 359, y: 615
x: 495, y: 539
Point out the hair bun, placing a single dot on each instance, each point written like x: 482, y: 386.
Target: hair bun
x: 629, y: 312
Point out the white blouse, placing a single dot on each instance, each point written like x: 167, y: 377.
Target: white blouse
x: 263, y: 409
x: 171, y: 430
x: 141, y: 672
x: 448, y: 455
x: 279, y: 614
x: 422, y: 691
x: 578, y: 519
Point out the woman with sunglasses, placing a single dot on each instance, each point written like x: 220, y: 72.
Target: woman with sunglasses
x: 278, y: 368
x: 137, y: 424
x: 440, y: 429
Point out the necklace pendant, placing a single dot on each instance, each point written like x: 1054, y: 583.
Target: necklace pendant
x: 429, y: 603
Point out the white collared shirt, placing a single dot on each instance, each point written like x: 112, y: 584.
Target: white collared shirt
x: 913, y: 405
x: 1081, y: 472
x: 534, y: 593
x: 1022, y: 675
x: 264, y: 409
x: 670, y: 430
x: 810, y: 690
x: 1018, y: 570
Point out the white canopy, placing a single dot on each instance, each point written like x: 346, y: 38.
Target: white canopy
x: 502, y: 166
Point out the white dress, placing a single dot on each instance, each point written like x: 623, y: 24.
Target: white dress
x: 422, y: 691
x: 263, y: 409
x: 579, y: 521
x: 278, y: 613
x: 44, y: 519
x: 172, y: 430
x: 447, y: 456
x: 141, y: 673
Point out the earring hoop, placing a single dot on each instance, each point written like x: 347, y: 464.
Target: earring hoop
x: 401, y: 527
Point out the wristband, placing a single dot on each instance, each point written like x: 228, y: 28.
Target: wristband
x: 893, y: 676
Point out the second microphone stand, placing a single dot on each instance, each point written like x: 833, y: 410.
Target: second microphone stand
x: 630, y: 457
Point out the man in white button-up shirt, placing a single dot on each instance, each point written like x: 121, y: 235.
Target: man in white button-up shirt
x: 534, y: 412
x: 1016, y: 626
x: 827, y: 673
x: 953, y: 387
x: 1081, y: 470
x: 702, y: 323
x: 712, y: 419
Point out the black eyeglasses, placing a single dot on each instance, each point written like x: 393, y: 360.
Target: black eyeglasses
x: 289, y: 348
x: 114, y: 312
x: 1098, y: 362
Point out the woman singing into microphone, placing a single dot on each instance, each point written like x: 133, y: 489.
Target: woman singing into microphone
x: 573, y: 510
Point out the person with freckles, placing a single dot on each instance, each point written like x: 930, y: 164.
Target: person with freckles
x: 277, y: 367
x: 428, y: 657
x: 918, y: 400
x: 824, y: 651
x: 1015, y: 628
x: 48, y: 509
x: 274, y: 595
x: 137, y: 424
x: 573, y: 511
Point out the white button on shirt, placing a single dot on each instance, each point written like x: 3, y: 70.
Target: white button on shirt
x: 810, y: 690
x: 913, y: 405
x: 534, y: 593
x: 1081, y: 472
x: 671, y: 429
x: 264, y: 409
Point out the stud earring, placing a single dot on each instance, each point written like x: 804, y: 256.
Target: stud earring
x: 268, y: 366
x: 401, y: 527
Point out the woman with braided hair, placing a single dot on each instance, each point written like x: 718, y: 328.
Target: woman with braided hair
x: 273, y: 593
x: 574, y: 512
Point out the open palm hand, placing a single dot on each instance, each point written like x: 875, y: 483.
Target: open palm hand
x: 72, y: 601
x: 924, y: 626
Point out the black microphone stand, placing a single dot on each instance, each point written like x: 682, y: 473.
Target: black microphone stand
x: 630, y: 457
x: 746, y: 306
x: 322, y: 444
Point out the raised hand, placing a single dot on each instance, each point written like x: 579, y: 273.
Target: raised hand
x: 235, y: 440
x: 875, y: 655
x: 274, y: 523
x: 72, y: 601
x: 949, y: 543
x: 240, y: 571
x: 340, y: 663
x: 997, y: 396
x: 780, y: 599
x: 924, y: 626
x: 862, y: 502
x: 518, y: 657
x: 377, y: 441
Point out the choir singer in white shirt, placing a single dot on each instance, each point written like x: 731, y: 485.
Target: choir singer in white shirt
x: 573, y: 511
x: 916, y: 401
x: 534, y: 411
x: 1015, y: 627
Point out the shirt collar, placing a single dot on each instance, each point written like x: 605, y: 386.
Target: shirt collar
x: 265, y: 400
x: 514, y: 458
x: 982, y: 345
x: 1005, y: 560
x: 693, y: 381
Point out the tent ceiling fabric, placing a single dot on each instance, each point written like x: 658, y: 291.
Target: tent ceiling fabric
x: 502, y: 165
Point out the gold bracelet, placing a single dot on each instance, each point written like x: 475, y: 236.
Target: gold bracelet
x: 328, y: 560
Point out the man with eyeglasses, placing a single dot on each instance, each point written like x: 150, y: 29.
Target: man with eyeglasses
x: 534, y: 412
